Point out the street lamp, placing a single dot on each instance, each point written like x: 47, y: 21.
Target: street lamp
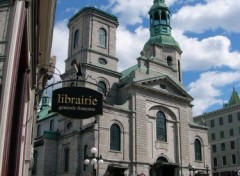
x: 207, y: 169
x: 93, y: 160
x: 192, y: 170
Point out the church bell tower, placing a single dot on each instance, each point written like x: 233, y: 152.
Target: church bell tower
x: 161, y: 53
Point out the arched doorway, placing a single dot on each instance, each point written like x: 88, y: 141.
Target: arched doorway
x: 163, y: 167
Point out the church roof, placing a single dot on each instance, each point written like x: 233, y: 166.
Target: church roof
x: 45, y: 110
x: 130, y: 76
x: 234, y: 99
x: 160, y: 26
x: 157, y: 4
x: 110, y: 16
x: 162, y: 40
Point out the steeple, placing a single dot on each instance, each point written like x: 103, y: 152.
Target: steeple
x: 45, y: 101
x: 160, y: 26
x: 161, y: 53
x: 158, y: 1
x: 234, y: 99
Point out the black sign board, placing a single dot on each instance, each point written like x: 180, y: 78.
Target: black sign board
x: 77, y: 102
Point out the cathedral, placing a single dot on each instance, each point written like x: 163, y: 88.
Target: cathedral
x: 146, y: 127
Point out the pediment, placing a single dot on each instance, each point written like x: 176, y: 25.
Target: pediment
x: 164, y: 84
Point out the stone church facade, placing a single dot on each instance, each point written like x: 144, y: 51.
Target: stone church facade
x: 146, y: 127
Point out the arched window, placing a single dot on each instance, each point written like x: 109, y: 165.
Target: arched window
x: 163, y: 18
x: 169, y: 61
x: 76, y: 39
x: 85, y: 166
x: 51, y: 125
x: 162, y: 160
x: 161, y: 127
x: 38, y: 130
x: 102, y: 37
x: 115, y: 137
x: 66, y: 159
x: 102, y: 87
x: 156, y: 18
x: 198, y: 150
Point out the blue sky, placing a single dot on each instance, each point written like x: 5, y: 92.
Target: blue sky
x: 208, y: 32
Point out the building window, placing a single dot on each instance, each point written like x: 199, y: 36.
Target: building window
x: 85, y: 166
x: 222, y: 134
x: 35, y: 158
x: 224, y: 160
x: 156, y: 18
x: 51, y: 125
x: 102, y: 37
x: 214, y: 148
x: 231, y: 132
x: 76, y: 39
x: 215, y: 162
x: 102, y: 61
x: 239, y: 130
x: 102, y: 87
x: 230, y: 118
x: 198, y: 150
x: 169, y: 61
x: 38, y: 130
x: 234, y: 159
x: 66, y: 159
x: 69, y: 125
x: 232, y: 143
x: 2, y: 1
x: 163, y: 18
x: 161, y: 127
x: 212, y: 123
x: 238, y: 115
x: 221, y: 121
x: 223, y: 146
x: 115, y: 137
x: 213, y: 136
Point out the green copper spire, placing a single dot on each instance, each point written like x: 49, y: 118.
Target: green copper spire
x: 45, y: 100
x: 234, y: 99
x: 160, y: 27
x: 158, y: 1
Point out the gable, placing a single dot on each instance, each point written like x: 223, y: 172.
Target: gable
x: 164, y: 84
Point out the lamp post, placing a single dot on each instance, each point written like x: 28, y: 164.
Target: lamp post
x: 192, y: 170
x: 207, y: 169
x: 93, y: 160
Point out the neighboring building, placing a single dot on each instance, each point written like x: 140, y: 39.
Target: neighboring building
x: 224, y: 136
x: 26, y: 28
x: 147, y: 124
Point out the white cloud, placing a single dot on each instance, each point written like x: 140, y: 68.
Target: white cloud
x: 129, y: 45
x: 60, y: 44
x: 207, y: 90
x: 198, y: 54
x: 211, y: 52
x: 131, y: 12
x: 208, y: 16
x: 71, y: 10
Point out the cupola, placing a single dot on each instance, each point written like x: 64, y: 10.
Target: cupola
x: 160, y: 26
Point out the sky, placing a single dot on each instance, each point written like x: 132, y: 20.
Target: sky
x: 208, y: 32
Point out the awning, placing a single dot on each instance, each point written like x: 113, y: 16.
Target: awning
x: 165, y: 164
x: 117, y: 168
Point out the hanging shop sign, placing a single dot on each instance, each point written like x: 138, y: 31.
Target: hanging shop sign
x: 77, y: 102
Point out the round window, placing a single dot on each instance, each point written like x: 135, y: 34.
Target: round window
x: 102, y: 61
